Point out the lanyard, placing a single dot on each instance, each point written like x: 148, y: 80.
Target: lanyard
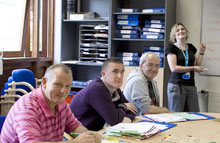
x: 186, y: 56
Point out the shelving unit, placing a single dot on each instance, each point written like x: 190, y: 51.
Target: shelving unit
x: 105, y: 11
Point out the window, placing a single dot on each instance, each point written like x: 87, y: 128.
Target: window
x: 28, y: 28
x: 11, y: 25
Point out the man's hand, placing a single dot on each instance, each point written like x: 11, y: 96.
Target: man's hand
x: 126, y: 120
x: 88, y: 137
x: 131, y: 107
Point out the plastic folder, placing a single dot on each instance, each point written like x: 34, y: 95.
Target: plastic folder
x: 166, y: 125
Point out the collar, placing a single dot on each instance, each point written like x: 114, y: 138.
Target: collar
x: 112, y: 92
x: 43, y: 104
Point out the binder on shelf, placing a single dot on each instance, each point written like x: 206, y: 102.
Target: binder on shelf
x: 149, y: 33
x: 77, y: 83
x: 126, y: 36
x: 126, y: 31
x: 153, y: 30
x: 131, y: 58
x: 154, y: 25
x: 152, y: 36
x: 70, y: 7
x: 153, y: 49
x: 127, y: 22
x: 156, y: 21
x: 127, y: 10
x: 131, y: 63
x: 128, y: 54
x: 154, y: 10
x: 127, y: 27
x: 128, y: 16
x: 82, y: 16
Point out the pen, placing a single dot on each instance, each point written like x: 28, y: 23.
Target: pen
x: 76, y: 134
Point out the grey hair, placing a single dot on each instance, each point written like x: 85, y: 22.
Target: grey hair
x: 66, y: 69
x: 145, y: 55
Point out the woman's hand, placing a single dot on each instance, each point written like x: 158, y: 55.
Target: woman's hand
x: 198, y: 68
x: 202, y: 48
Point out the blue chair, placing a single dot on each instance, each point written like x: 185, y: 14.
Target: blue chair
x: 2, y: 120
x: 21, y: 82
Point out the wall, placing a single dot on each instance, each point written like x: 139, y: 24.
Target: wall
x: 188, y: 12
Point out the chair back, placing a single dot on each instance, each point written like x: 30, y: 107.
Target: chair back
x: 2, y: 120
x: 24, y: 75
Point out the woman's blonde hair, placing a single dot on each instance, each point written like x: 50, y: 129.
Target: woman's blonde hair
x: 174, y: 30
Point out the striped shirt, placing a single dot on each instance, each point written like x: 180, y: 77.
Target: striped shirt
x: 31, y: 120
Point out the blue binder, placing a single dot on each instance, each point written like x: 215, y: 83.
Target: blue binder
x: 127, y: 27
x: 126, y: 36
x: 128, y: 16
x: 127, y: 10
x: 154, y: 10
x: 152, y: 36
x: 126, y: 31
x: 153, y: 29
x: 153, y: 25
x: 127, y: 22
x: 156, y: 21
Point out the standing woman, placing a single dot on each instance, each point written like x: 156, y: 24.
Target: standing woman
x: 182, y: 60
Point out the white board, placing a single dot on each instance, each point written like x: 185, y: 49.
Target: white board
x: 210, y: 35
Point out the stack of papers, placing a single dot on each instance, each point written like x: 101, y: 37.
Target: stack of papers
x: 139, y: 130
x: 176, y: 117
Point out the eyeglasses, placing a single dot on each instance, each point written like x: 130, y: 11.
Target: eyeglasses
x: 60, y: 86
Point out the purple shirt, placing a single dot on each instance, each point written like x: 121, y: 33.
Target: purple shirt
x: 30, y: 120
x: 93, y: 106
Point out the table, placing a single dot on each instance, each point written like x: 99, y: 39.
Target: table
x: 204, y: 129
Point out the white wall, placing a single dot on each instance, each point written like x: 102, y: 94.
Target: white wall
x: 188, y: 12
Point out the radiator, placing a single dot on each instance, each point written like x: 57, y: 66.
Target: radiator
x: 214, y: 102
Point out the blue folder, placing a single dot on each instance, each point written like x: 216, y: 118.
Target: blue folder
x: 168, y: 125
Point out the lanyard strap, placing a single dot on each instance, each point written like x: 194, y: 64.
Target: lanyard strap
x: 186, y: 55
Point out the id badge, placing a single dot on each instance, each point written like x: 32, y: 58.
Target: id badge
x: 186, y: 76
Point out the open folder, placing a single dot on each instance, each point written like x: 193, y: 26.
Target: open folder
x: 178, y: 117
x: 139, y: 130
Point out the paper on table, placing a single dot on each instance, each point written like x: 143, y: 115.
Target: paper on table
x: 165, y: 117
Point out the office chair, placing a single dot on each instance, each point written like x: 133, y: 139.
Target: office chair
x: 21, y: 82
x: 2, y: 120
